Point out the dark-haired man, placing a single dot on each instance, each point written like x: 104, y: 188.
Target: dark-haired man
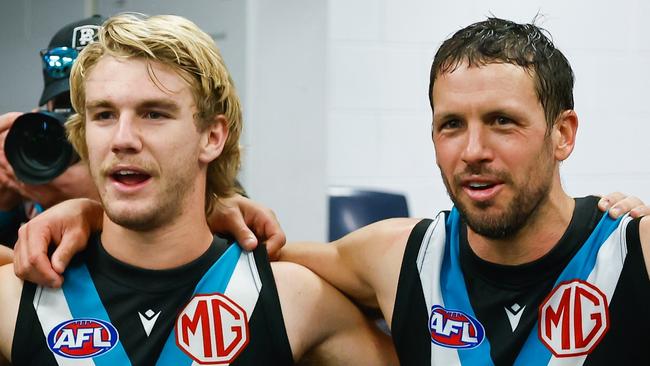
x: 517, y: 272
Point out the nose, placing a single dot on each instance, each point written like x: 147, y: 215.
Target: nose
x: 127, y: 136
x: 476, y: 150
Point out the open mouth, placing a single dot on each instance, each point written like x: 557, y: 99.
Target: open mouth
x: 130, y: 177
x: 480, y: 186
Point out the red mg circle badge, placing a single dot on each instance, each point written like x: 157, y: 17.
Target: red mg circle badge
x: 212, y: 329
x: 573, y: 319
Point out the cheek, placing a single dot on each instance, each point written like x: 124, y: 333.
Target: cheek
x: 446, y: 155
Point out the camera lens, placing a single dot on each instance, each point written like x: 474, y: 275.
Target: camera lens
x: 37, y: 149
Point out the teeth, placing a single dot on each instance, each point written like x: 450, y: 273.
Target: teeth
x: 479, y: 185
x: 126, y: 172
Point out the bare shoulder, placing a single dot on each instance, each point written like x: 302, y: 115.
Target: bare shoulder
x: 9, y: 300
x: 644, y: 235
x: 323, y: 325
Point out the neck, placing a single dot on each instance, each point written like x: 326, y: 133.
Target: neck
x: 539, y: 235
x: 168, y: 246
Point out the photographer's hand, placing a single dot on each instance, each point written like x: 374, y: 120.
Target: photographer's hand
x: 10, y: 194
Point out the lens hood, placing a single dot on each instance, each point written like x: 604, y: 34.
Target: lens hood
x: 37, y: 148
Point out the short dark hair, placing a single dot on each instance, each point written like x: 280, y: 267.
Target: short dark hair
x: 502, y: 41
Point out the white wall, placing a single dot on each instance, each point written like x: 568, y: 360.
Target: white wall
x: 26, y: 27
x: 378, y: 113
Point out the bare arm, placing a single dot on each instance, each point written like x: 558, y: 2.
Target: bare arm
x: 364, y: 264
x: 69, y: 224
x: 325, y: 328
x: 9, y: 299
x: 6, y: 255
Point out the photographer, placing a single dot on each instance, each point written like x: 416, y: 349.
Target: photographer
x: 24, y: 190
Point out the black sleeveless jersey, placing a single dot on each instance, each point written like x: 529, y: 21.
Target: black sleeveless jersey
x: 507, y: 299
x: 143, y: 305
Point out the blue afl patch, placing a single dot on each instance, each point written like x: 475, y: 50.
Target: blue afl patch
x: 82, y: 338
x: 454, y: 328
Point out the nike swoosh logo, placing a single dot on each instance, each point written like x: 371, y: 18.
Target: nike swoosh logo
x: 148, y: 320
x: 514, y: 315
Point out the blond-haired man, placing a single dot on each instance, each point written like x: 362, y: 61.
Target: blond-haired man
x: 158, y: 124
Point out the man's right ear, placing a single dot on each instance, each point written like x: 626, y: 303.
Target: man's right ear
x: 564, y: 133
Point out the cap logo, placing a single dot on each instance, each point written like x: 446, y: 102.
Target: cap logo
x: 84, y: 35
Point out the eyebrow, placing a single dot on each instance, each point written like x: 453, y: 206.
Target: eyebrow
x: 98, y: 104
x: 150, y: 103
x: 445, y: 116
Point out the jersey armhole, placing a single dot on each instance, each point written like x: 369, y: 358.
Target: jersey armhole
x: 410, y: 317
x: 634, y: 251
x: 27, y: 325
x: 271, y: 305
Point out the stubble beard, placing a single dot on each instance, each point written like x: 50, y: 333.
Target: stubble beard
x: 165, y: 208
x: 519, y: 211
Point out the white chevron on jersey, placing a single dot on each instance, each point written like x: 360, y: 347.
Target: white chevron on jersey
x: 429, y: 262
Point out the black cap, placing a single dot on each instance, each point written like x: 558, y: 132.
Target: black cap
x: 74, y: 35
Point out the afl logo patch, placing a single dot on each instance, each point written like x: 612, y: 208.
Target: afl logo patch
x: 212, y: 329
x: 454, y: 328
x: 82, y: 338
x: 573, y: 318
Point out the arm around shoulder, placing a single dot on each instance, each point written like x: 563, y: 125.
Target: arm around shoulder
x: 323, y: 326
x: 364, y: 264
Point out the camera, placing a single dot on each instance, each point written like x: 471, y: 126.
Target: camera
x: 37, y: 148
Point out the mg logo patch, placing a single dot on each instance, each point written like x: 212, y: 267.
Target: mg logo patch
x: 454, y: 328
x: 573, y: 318
x: 212, y: 329
x: 82, y: 338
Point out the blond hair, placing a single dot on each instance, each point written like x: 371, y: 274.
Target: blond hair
x: 176, y: 42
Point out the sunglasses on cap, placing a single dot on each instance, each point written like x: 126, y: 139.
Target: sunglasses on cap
x: 57, y: 62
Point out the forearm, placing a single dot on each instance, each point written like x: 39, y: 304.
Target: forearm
x: 328, y: 263
x: 94, y: 212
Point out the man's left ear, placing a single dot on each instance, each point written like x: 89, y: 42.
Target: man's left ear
x: 564, y: 134
x: 213, y: 139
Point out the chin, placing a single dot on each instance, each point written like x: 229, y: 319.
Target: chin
x: 133, y: 218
